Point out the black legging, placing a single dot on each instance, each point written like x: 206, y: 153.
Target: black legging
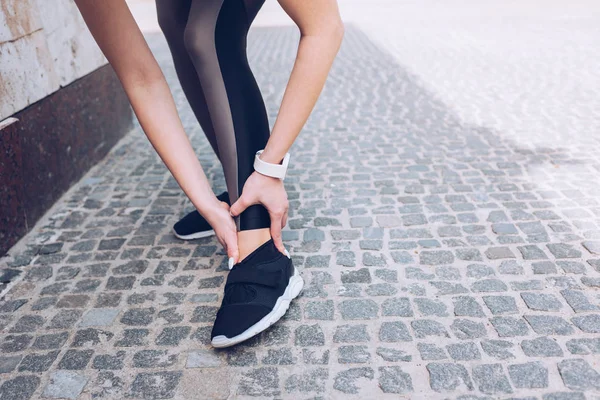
x: 207, y: 39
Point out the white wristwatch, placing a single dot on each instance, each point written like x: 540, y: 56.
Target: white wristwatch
x: 272, y: 170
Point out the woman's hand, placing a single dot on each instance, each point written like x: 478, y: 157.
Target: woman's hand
x: 224, y: 226
x: 261, y: 189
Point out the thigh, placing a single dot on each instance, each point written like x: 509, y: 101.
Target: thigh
x: 173, y: 15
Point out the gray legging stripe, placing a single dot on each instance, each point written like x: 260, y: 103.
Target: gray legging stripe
x: 201, y: 35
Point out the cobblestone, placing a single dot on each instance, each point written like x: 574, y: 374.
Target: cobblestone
x: 447, y: 254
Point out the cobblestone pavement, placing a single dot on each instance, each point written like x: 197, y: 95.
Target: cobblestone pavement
x: 443, y: 260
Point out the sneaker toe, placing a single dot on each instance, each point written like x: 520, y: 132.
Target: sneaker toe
x: 235, y: 319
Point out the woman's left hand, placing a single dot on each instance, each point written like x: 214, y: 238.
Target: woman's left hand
x: 261, y: 189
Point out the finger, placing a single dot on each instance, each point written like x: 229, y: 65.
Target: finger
x: 276, y: 232
x: 232, y: 250
x: 284, y: 219
x: 239, y: 206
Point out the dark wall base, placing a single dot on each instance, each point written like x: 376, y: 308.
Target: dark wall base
x: 53, y: 144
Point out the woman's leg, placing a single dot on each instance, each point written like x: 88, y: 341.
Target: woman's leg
x: 215, y: 38
x: 173, y: 18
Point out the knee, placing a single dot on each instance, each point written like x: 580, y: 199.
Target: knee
x: 170, y: 26
x: 198, y: 41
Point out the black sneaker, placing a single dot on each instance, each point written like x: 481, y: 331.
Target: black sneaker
x: 257, y: 294
x: 194, y: 226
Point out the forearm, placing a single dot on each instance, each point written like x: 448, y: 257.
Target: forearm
x: 155, y: 109
x: 313, y: 62
x: 121, y: 41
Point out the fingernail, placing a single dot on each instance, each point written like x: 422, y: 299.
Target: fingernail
x: 287, y: 253
x: 230, y: 262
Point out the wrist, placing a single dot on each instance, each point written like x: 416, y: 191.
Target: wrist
x: 272, y: 157
x: 207, y: 205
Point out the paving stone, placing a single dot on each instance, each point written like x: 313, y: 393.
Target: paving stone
x: 541, y: 347
x: 563, y: 250
x: 155, y: 385
x: 108, y: 361
x: 489, y: 285
x: 8, y: 364
x: 38, y: 362
x: 428, y: 257
x: 490, y: 379
x: 444, y: 377
x: 75, y: 359
x: 50, y: 341
x: 310, y: 381
x: 346, y: 381
x: 65, y: 384
x: 28, y: 324
x: 498, y: 349
x: 309, y: 335
x: 353, y: 354
x: 172, y: 335
x: 19, y: 388
x: 358, y: 309
x: 428, y: 307
x: 509, y: 326
x: 501, y: 304
x: 584, y: 346
x: 578, y: 374
x: 351, y: 334
x: 448, y: 288
x: 156, y: 359
x: 397, y: 307
x: 549, y: 325
x: 587, y: 323
x: 260, y: 382
x: 99, y: 317
x: 397, y: 331
x: 394, y: 380
x: 91, y: 337
x: 427, y: 327
x: 138, y: 316
x: 496, y: 253
x: 541, y: 301
x: 532, y: 252
x: 430, y: 351
x: 531, y: 375
x: 463, y: 351
x: 282, y: 356
x: 15, y: 343
x: 120, y: 283
x: 393, y: 355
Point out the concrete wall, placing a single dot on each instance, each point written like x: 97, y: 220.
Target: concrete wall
x: 44, y: 45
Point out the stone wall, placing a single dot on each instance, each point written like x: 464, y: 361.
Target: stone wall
x: 44, y: 45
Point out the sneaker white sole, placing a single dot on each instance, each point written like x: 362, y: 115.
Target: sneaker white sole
x: 281, y: 306
x: 196, y: 235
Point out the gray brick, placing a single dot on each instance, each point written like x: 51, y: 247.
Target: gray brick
x: 465, y: 306
x: 509, y: 326
x: 463, y: 351
x: 490, y: 379
x: 394, y: 331
x: 429, y: 257
x: 549, y: 325
x: 531, y: 375
x: 430, y: 351
x: 19, y: 388
x: 351, y: 334
x: 394, y: 380
x: 155, y: 385
x: 346, y: 381
x: 541, y: 347
x: 587, y: 323
x: 65, y: 384
x: 501, y: 304
x: 427, y: 327
x: 358, y: 309
x: 541, y: 301
x: 444, y: 377
x: 578, y: 374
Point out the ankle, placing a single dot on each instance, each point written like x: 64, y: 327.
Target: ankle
x: 248, y: 241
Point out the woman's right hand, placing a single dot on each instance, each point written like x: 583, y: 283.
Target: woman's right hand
x: 224, y: 226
